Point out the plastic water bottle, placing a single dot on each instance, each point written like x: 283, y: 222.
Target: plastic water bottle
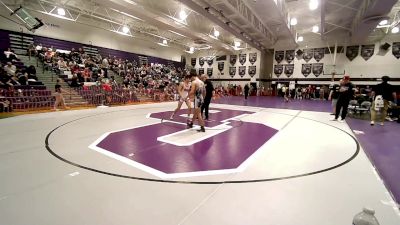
x: 366, y: 217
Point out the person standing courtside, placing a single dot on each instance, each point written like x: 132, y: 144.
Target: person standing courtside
x: 59, y: 96
x: 197, y: 93
x: 209, y: 93
x: 346, y: 93
x: 246, y: 91
x: 383, y: 91
x: 334, y: 95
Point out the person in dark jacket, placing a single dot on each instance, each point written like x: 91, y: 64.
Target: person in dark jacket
x: 209, y: 93
x: 246, y: 91
x: 346, y: 93
x: 387, y: 93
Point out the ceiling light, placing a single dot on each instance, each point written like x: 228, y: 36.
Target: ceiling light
x: 165, y: 42
x: 383, y: 22
x: 315, y: 29
x: 395, y: 30
x: 130, y: 2
x: 191, y: 50
x: 125, y: 29
x: 216, y: 33
x: 61, y: 11
x: 236, y: 43
x: 313, y: 4
x: 293, y: 21
x: 183, y: 15
x: 300, y: 39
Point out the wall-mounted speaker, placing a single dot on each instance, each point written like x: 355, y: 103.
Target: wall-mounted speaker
x: 385, y: 46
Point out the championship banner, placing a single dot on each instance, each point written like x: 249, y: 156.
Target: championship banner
x: 252, y: 70
x: 319, y: 54
x: 193, y: 61
x: 308, y: 54
x: 232, y: 71
x: 252, y: 58
x: 221, y: 66
x: 278, y: 70
x: 317, y: 69
x: 289, y: 56
x: 242, y: 71
x: 396, y: 49
x: 352, y: 52
x: 201, y: 71
x: 289, y: 69
x: 279, y: 56
x: 201, y: 61
x: 210, y: 61
x: 209, y: 72
x: 233, y: 59
x: 367, y: 51
x: 306, y: 69
x: 242, y: 59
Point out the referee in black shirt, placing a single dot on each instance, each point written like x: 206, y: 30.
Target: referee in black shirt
x: 209, y: 93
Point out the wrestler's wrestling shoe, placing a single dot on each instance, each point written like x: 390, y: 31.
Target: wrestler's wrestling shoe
x: 201, y: 129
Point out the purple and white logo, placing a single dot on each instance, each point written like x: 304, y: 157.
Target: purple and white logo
x: 168, y: 150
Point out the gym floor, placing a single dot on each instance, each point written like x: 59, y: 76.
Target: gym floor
x: 255, y: 164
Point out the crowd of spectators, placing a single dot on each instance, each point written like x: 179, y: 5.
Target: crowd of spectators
x: 79, y: 68
x: 13, y: 72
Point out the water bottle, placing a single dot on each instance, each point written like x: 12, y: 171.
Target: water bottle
x: 366, y: 217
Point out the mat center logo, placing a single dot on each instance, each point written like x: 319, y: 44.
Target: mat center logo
x: 167, y: 149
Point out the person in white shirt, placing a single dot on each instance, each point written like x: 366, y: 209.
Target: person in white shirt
x: 62, y: 65
x: 10, y: 69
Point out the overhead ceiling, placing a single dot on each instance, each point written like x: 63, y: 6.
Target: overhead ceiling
x: 343, y: 21
x: 262, y: 24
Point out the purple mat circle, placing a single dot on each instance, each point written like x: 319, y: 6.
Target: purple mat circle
x: 50, y: 150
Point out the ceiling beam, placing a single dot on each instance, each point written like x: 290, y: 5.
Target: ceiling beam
x: 338, y: 26
x: 341, y: 6
x: 368, y: 17
x: 323, y: 10
x: 195, y: 7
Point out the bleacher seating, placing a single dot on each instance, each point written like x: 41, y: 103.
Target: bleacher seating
x: 98, y: 95
x: 26, y: 99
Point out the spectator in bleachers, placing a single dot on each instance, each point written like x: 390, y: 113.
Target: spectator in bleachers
x: 10, y: 55
x: 62, y: 65
x: 10, y: 69
x: 32, y: 50
x: 31, y: 70
x: 105, y: 65
x: 23, y: 79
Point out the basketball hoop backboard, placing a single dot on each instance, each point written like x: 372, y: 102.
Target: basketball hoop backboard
x: 337, y: 69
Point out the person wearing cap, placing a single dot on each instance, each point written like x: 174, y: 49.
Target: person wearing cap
x: 383, y: 91
x: 346, y: 93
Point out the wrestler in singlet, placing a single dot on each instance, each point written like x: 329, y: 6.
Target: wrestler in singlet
x: 183, y: 90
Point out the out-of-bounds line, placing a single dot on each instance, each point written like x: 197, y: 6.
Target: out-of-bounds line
x: 47, y: 145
